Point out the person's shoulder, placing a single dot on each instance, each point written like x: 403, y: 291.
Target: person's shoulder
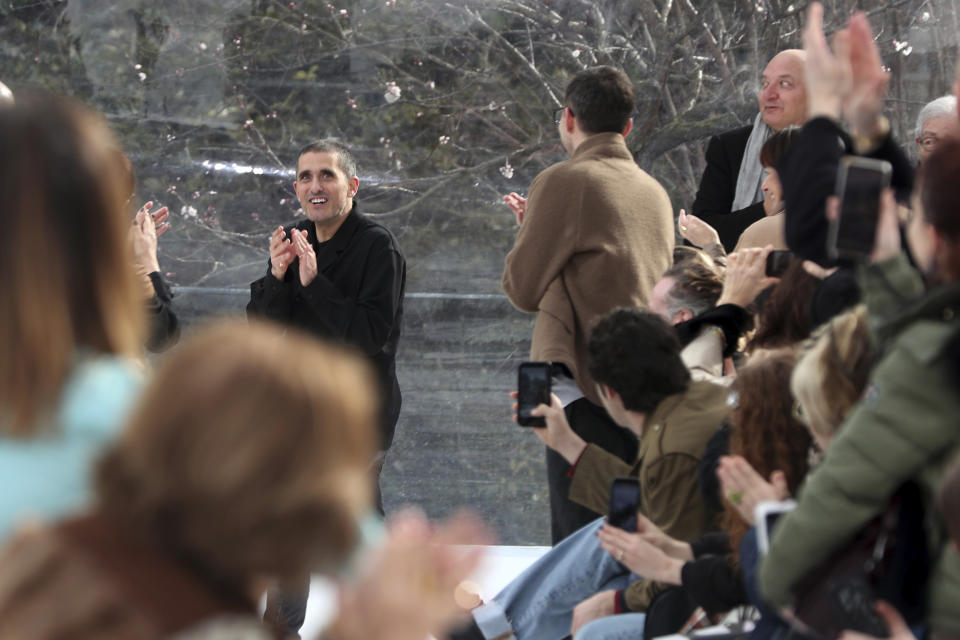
x: 99, y: 394
x: 697, y: 418
x: 376, y: 233
x: 735, y: 136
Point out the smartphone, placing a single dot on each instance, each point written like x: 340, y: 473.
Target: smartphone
x: 533, y: 389
x: 624, y: 500
x: 777, y: 263
x: 860, y: 182
x: 765, y: 515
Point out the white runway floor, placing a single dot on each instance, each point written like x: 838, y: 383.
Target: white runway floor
x: 500, y: 566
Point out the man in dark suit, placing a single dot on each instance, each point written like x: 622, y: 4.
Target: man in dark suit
x: 729, y: 197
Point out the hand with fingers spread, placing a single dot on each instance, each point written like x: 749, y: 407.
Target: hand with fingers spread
x: 308, y: 259
x: 863, y: 105
x: 829, y: 77
x: 698, y: 232
x: 406, y: 591
x: 640, y: 556
x: 744, y: 488
x: 143, y: 235
x: 159, y: 217
x: 282, y: 253
x: 746, y: 276
x: 896, y: 625
x: 558, y: 434
x: 518, y: 204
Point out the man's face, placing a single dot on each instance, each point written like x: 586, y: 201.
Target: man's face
x: 934, y: 130
x: 783, y: 94
x: 325, y: 192
x: 657, y: 303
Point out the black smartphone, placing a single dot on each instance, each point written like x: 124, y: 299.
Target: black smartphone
x: 533, y: 389
x: 624, y: 500
x: 777, y: 263
x: 860, y: 183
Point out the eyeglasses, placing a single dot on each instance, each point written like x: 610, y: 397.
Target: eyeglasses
x: 558, y: 115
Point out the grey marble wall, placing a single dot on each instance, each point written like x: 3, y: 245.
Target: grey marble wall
x: 448, y: 106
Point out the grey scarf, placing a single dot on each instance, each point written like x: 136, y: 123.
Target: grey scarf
x: 751, y: 173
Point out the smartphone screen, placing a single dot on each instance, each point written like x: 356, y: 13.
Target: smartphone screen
x: 533, y: 389
x: 624, y: 500
x: 777, y: 263
x: 860, y: 182
x: 766, y: 515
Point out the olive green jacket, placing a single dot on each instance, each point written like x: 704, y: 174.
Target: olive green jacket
x: 906, y: 428
x: 674, y: 437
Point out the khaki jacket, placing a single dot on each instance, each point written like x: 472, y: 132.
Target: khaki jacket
x: 674, y: 437
x: 597, y: 234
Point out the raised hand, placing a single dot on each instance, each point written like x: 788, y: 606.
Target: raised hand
x: 308, y: 259
x: 282, y: 253
x: 518, y: 204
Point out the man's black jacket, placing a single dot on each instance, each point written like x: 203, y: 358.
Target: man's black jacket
x: 356, y: 298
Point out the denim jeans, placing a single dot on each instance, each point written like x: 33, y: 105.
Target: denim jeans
x: 626, y: 626
x: 538, y: 604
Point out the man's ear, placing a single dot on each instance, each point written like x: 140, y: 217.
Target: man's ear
x: 682, y: 316
x: 354, y: 185
x: 569, y: 120
x: 608, y: 392
x: 627, y: 128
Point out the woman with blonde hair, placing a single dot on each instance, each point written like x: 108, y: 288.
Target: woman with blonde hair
x: 71, y: 318
x: 246, y: 461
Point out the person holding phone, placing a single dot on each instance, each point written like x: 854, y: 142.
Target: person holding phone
x: 646, y: 388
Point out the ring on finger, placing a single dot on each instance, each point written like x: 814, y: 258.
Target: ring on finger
x: 735, y: 497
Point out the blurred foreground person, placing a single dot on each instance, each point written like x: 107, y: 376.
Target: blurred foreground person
x: 71, y: 317
x: 245, y: 462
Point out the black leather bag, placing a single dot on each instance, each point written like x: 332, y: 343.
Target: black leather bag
x: 887, y: 560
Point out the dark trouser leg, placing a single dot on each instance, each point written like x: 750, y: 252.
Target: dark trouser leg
x: 287, y: 608
x: 375, y: 469
x: 591, y: 423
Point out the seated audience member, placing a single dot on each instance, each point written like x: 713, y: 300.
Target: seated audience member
x: 905, y: 428
x: 808, y: 170
x: 827, y: 382
x: 71, y: 315
x: 199, y: 507
x: 784, y: 317
x: 729, y: 195
x: 708, y: 308
x: 765, y: 435
x: 936, y: 121
x: 769, y: 229
x: 635, y: 358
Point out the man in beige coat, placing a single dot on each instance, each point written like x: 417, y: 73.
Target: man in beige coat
x: 595, y: 234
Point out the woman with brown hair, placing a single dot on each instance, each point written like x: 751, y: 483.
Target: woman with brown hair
x: 245, y: 461
x: 71, y: 319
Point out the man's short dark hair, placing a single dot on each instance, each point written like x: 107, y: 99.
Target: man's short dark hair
x: 345, y: 159
x: 601, y: 98
x: 637, y: 354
